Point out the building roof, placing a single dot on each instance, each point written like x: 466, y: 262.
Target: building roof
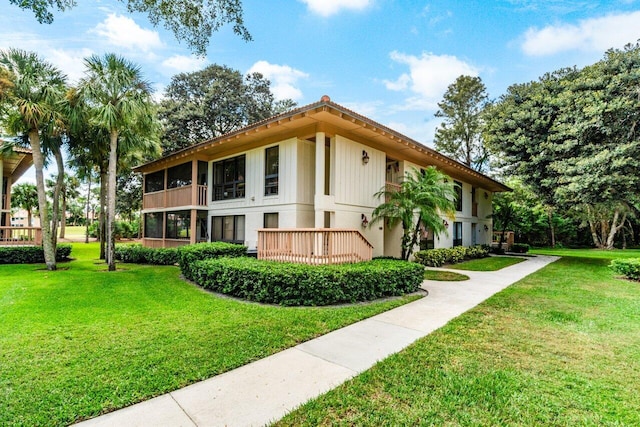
x: 327, y: 116
x: 17, y: 163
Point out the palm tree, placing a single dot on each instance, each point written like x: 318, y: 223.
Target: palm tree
x: 34, y: 99
x: 120, y: 102
x: 68, y: 191
x: 25, y: 196
x: 423, y: 198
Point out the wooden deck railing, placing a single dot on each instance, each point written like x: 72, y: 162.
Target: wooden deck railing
x: 313, y: 246
x: 175, y: 197
x: 20, y: 236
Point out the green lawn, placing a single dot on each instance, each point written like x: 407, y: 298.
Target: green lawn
x: 81, y: 341
x: 444, y: 276
x: 492, y: 263
x: 560, y: 347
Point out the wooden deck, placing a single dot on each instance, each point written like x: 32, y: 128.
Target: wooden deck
x: 314, y: 246
x: 20, y: 236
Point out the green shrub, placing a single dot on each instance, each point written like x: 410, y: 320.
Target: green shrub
x: 629, y: 268
x: 189, y: 254
x: 137, y: 254
x: 299, y: 284
x: 521, y: 248
x: 439, y: 257
x: 31, y: 254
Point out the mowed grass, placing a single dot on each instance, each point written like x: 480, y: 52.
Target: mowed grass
x: 492, y: 263
x: 82, y: 341
x: 560, y: 347
x: 444, y: 276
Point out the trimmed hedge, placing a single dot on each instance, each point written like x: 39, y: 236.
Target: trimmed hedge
x: 138, y: 254
x: 439, y: 257
x: 189, y: 254
x: 629, y: 268
x: 521, y: 248
x: 299, y: 284
x: 31, y: 254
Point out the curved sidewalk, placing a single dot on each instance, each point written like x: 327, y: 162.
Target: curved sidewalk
x: 265, y: 390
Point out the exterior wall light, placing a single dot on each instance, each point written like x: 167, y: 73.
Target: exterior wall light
x: 364, y: 220
x: 486, y: 227
x: 365, y: 157
x: 445, y: 223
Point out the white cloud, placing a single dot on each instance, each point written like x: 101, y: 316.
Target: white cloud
x: 70, y: 62
x: 428, y: 78
x: 184, y: 64
x: 283, y: 79
x: 122, y: 31
x: 331, y: 7
x: 596, y: 34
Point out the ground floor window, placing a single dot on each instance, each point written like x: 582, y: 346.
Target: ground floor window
x: 228, y: 228
x: 426, y: 239
x: 457, y: 234
x: 178, y: 225
x: 271, y: 220
x: 153, y: 225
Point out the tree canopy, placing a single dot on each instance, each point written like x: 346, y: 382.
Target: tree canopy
x: 573, y: 136
x: 192, y: 21
x: 204, y: 104
x: 460, y: 134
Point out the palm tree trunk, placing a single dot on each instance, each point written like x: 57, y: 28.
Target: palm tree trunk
x: 57, y: 154
x: 86, y: 222
x: 38, y: 163
x: 111, y: 200
x: 103, y: 212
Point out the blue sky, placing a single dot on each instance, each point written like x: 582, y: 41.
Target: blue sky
x: 390, y: 60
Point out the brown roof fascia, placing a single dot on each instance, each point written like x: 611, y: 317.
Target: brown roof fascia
x: 325, y: 104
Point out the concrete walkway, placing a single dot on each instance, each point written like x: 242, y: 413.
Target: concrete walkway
x: 264, y: 391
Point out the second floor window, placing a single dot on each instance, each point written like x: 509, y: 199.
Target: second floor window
x: 228, y: 179
x: 458, y: 201
x: 271, y: 168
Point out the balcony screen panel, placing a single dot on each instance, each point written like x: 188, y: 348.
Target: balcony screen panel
x: 153, y: 225
x: 154, y: 182
x: 178, y: 225
x: 179, y: 176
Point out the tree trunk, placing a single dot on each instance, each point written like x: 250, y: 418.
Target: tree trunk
x: 615, y: 227
x: 57, y: 154
x: 38, y: 162
x: 86, y: 223
x: 552, y: 228
x: 29, y: 218
x: 103, y: 212
x: 111, y: 200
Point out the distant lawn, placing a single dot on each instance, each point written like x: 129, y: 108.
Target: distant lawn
x: 444, y: 276
x: 492, y: 263
x: 81, y: 341
x: 560, y: 347
x: 589, y: 253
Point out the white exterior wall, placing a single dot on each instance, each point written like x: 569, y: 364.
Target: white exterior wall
x: 294, y: 201
x: 353, y: 185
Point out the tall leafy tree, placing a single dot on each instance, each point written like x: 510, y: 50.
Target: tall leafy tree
x: 25, y: 196
x: 192, y: 21
x: 120, y: 103
x: 34, y: 100
x: 421, y: 201
x: 204, y: 104
x: 573, y: 137
x: 460, y: 134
